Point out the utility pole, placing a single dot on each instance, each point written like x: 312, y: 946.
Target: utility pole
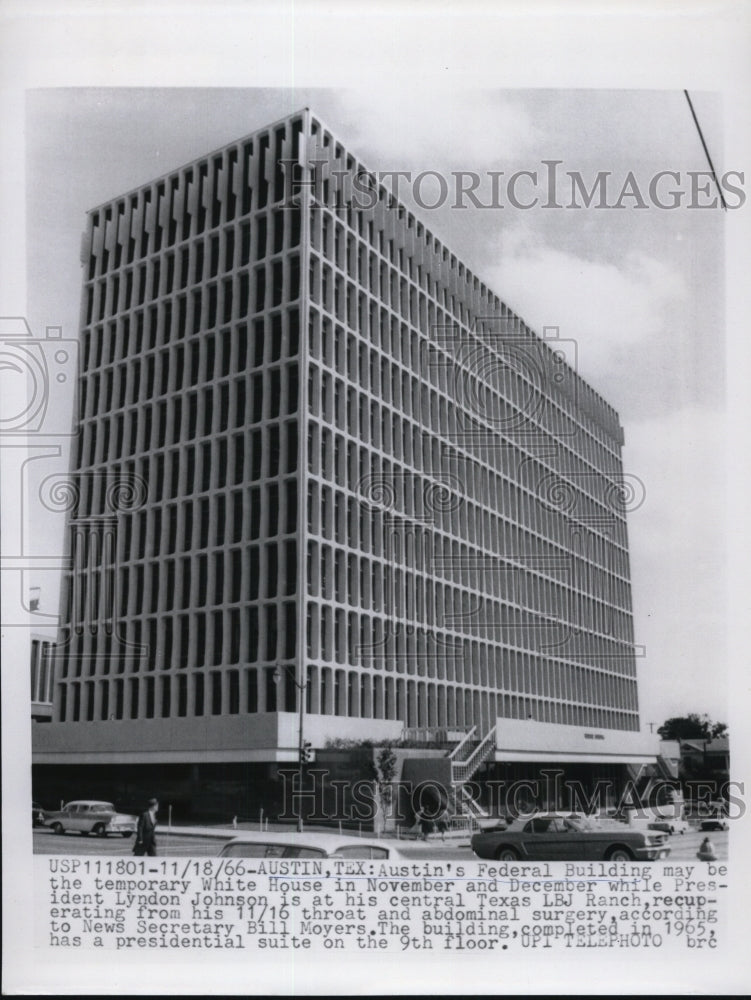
x: 302, y: 749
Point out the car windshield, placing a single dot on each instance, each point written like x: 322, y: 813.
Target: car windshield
x: 576, y: 823
x: 581, y: 823
x: 361, y: 851
x: 558, y: 824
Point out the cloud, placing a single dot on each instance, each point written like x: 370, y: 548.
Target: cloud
x: 680, y: 528
x: 606, y: 308
x: 678, y: 548
x: 451, y: 129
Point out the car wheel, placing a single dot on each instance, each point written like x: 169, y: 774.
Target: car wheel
x: 98, y: 830
x: 619, y: 854
x: 506, y: 854
x: 57, y: 828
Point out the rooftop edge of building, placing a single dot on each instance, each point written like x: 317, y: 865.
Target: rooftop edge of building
x: 593, y: 403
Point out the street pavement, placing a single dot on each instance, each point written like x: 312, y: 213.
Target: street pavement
x: 169, y: 845
x: 207, y: 841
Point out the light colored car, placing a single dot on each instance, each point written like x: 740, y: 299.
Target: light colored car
x: 87, y: 816
x: 551, y: 837
x: 307, y: 845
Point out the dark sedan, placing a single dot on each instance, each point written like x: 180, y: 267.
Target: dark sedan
x: 717, y: 820
x: 558, y: 838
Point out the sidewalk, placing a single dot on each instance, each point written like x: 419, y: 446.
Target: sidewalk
x: 226, y: 831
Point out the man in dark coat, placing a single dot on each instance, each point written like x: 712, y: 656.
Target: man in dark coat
x: 145, y: 836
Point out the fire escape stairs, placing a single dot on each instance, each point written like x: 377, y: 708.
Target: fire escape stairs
x: 467, y: 757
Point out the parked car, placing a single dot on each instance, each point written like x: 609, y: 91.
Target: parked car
x: 307, y: 845
x: 87, y: 816
x: 37, y: 814
x: 503, y: 822
x: 671, y: 825
x: 550, y: 837
x: 714, y: 823
x: 716, y: 819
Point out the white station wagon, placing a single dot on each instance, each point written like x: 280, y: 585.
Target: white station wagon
x: 90, y: 816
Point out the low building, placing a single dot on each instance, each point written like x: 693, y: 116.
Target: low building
x: 42, y: 677
x: 711, y: 755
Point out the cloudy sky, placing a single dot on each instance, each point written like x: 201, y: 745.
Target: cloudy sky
x: 639, y: 289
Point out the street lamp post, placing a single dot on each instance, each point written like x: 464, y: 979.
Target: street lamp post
x: 301, y: 751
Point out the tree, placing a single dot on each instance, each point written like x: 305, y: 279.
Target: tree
x: 691, y: 727
x: 384, y: 772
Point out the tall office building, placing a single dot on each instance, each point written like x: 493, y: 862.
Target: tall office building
x: 318, y: 458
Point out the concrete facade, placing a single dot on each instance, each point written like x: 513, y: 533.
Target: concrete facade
x: 318, y: 458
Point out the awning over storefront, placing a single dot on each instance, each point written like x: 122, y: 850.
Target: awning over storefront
x: 524, y: 740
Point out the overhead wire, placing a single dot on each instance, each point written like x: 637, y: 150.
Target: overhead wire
x: 706, y: 150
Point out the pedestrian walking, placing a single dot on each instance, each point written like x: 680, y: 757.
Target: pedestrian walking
x: 145, y: 833
x: 426, y: 824
x: 442, y: 824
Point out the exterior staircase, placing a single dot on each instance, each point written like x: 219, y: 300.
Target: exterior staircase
x: 467, y: 757
x: 648, y: 779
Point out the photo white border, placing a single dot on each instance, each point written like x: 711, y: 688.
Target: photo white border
x: 675, y: 45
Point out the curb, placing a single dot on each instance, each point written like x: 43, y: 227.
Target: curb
x: 227, y: 833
